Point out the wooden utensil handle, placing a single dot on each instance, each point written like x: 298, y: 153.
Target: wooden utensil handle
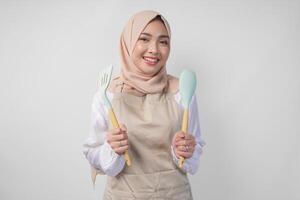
x: 115, y: 124
x: 184, y: 128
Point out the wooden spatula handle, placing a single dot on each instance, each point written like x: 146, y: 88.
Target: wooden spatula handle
x: 184, y: 128
x: 115, y: 124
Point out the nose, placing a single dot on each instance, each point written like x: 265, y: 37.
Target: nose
x: 153, y: 48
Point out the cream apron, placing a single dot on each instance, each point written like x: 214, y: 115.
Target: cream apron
x: 151, y: 123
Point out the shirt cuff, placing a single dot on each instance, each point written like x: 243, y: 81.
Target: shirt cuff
x: 111, y: 162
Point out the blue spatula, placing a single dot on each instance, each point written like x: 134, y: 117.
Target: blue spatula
x: 187, y: 86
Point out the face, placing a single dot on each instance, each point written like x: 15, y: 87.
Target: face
x: 152, y: 49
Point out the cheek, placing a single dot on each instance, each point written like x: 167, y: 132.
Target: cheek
x: 138, y: 50
x: 137, y: 54
x: 165, y: 53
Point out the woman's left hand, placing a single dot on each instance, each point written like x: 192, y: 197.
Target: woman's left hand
x: 184, y: 144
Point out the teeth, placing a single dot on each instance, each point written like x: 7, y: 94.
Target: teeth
x: 151, y: 59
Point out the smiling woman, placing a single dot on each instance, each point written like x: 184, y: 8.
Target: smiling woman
x: 147, y: 103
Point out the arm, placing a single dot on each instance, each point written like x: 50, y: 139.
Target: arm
x: 96, y: 149
x: 191, y: 164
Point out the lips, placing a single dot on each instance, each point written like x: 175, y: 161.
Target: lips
x: 151, y: 60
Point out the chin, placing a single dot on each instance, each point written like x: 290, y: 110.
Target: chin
x: 151, y: 70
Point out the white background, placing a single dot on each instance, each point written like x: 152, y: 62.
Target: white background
x: 247, y: 58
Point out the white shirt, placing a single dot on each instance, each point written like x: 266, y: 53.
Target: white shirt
x: 100, y: 154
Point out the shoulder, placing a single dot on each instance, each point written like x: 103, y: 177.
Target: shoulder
x: 173, y: 88
x: 173, y: 84
x: 98, y: 98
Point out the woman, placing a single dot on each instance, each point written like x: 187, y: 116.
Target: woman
x: 148, y: 105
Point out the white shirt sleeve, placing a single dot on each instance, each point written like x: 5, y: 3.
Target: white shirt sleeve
x: 96, y: 149
x: 191, y: 165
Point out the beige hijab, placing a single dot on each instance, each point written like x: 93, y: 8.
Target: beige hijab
x: 132, y: 80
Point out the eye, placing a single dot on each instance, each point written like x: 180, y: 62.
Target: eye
x: 164, y: 42
x: 144, y: 39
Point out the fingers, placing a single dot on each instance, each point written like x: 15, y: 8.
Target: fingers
x: 116, y: 131
x: 118, y: 139
x: 183, y: 154
x: 184, y: 144
x: 118, y: 144
x: 117, y: 134
x: 121, y: 150
x: 179, y: 135
x: 188, y: 141
x: 185, y: 151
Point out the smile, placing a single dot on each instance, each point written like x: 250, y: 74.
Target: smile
x: 151, y: 60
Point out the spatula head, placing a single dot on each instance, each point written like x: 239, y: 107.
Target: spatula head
x: 104, y: 79
x: 187, y: 86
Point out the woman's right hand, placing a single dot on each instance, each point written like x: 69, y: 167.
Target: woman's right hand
x: 118, y: 139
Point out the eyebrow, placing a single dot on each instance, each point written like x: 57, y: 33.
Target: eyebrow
x: 161, y: 36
